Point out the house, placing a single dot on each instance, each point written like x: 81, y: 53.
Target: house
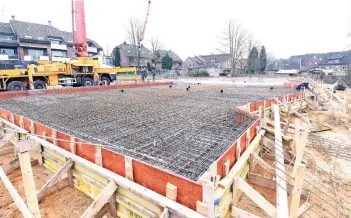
x: 308, y: 61
x: 283, y: 65
x: 8, y: 42
x: 129, y: 55
x: 336, y: 62
x: 216, y: 64
x: 31, y: 41
x: 177, y: 61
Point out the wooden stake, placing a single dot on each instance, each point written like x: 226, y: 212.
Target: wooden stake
x: 27, y: 175
x: 101, y: 200
x: 282, y: 198
x: 129, y: 168
x: 72, y: 145
x: 296, y: 194
x: 54, y: 137
x: 15, y: 196
x: 201, y: 208
x: 226, y: 168
x: 287, y: 121
x: 171, y: 191
x: 300, y: 141
x: 113, y: 205
x: 98, y: 156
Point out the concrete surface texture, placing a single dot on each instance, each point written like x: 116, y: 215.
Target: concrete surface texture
x: 179, y: 130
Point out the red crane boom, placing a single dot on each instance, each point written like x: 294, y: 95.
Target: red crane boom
x: 78, y: 13
x: 145, y: 23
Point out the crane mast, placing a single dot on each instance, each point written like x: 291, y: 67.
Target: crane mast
x: 78, y: 18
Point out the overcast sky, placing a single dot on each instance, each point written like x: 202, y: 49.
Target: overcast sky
x: 192, y: 27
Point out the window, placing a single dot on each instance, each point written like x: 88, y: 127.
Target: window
x: 131, y: 59
x: 11, y: 52
x: 36, y: 53
x: 55, y: 53
x: 7, y: 37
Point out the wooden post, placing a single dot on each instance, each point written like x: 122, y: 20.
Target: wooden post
x: 208, y: 198
x: 238, y: 149
x: 15, y: 196
x: 129, y: 168
x: 98, y: 156
x: 54, y: 137
x: 226, y: 168
x: 21, y: 122
x: 296, y: 194
x: 23, y: 148
x: 171, y: 191
x: 288, y: 120
x: 72, y: 145
x: 282, y: 198
x: 301, y: 136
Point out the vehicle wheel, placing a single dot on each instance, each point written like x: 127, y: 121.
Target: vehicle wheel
x: 105, y: 81
x: 39, y: 84
x: 16, y: 86
x: 88, y: 82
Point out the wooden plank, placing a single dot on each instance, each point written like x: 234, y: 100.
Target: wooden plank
x: 139, y: 190
x: 208, y: 197
x: 113, y: 205
x: 6, y: 151
x: 15, y: 196
x: 226, y: 168
x: 303, y: 208
x: 98, y: 156
x: 272, y: 131
x: 239, y: 213
x: 240, y: 164
x: 282, y: 197
x: 101, y: 200
x: 256, y: 197
x: 129, y: 168
x: 54, y: 179
x: 28, y: 183
x: 201, y: 208
x: 104, y: 210
x: 301, y: 141
x: 14, y: 164
x: 296, y: 194
x: 262, y: 162
x: 138, y: 207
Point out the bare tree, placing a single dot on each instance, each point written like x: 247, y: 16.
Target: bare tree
x: 251, y: 42
x: 234, y: 42
x: 134, y: 33
x: 156, y: 45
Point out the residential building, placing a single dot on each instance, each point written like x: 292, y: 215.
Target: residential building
x: 336, y: 62
x: 177, y: 61
x: 8, y: 42
x: 216, y: 64
x: 129, y: 55
x: 31, y: 41
x: 308, y: 61
x: 283, y: 64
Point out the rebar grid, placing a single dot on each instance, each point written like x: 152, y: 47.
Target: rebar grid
x: 177, y: 130
x: 325, y: 192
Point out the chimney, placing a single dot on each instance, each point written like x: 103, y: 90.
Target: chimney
x: 13, y: 17
x: 49, y: 22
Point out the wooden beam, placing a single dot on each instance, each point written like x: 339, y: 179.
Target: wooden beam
x: 286, y: 128
x: 282, y: 197
x: 256, y: 197
x: 262, y: 162
x: 239, y: 213
x: 113, y: 205
x: 54, y: 179
x: 240, y: 164
x: 15, y: 196
x: 138, y: 207
x: 296, y: 194
x: 104, y: 210
x: 303, y: 208
x: 23, y: 148
x: 165, y: 213
x: 125, y: 183
x: 6, y: 151
x: 301, y: 137
x: 101, y: 200
x: 14, y: 164
x: 272, y: 131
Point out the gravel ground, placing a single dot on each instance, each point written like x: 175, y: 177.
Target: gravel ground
x: 177, y: 130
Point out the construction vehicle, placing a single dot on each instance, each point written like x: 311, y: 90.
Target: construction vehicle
x: 77, y: 72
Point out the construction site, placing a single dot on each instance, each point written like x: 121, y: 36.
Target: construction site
x: 176, y: 150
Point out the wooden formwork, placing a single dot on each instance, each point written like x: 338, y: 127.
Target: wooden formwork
x: 144, y: 190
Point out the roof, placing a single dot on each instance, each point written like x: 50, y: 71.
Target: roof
x: 34, y: 31
x: 5, y: 28
x: 171, y: 54
x: 131, y: 50
x: 215, y: 58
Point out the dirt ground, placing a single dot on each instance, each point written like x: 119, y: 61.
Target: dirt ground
x: 328, y: 166
x: 68, y: 202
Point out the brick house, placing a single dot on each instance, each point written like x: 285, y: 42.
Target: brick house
x: 129, y: 55
x: 177, y: 61
x: 32, y: 41
x: 215, y: 64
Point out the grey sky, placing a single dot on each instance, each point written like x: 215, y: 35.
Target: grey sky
x: 191, y: 27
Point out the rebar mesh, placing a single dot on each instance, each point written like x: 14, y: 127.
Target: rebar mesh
x: 177, y: 130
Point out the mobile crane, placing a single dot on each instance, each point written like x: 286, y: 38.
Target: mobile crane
x: 77, y: 72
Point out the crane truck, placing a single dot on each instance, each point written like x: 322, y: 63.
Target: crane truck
x: 77, y: 72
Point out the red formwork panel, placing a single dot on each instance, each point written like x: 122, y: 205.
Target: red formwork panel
x: 229, y: 155
x: 243, y: 141
x: 86, y: 151
x: 253, y: 130
x: 26, y: 124
x: 256, y: 105
x: 153, y: 178
x: 63, y: 141
x: 16, y: 94
x: 113, y: 162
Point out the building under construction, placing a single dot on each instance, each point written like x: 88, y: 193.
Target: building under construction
x: 157, y: 151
